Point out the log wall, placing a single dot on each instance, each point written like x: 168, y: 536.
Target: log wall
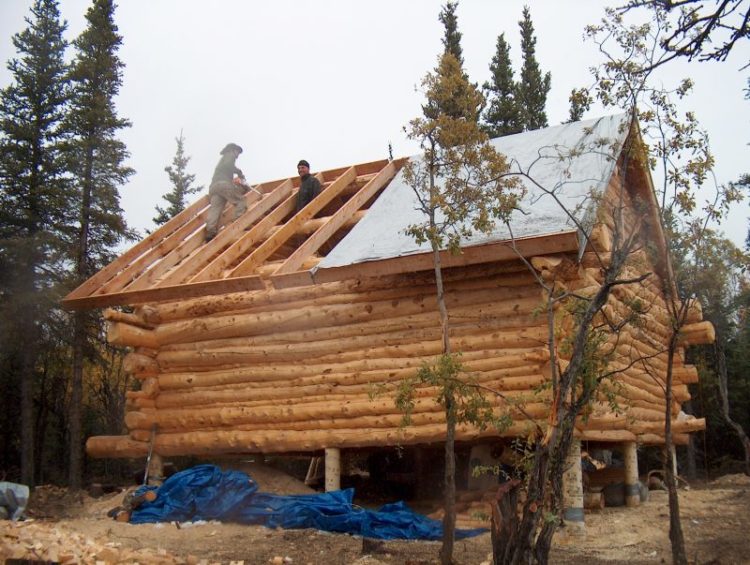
x: 304, y: 369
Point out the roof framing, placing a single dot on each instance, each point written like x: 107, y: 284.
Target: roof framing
x: 270, y: 238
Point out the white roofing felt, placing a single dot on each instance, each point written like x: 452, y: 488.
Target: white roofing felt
x: 572, y: 161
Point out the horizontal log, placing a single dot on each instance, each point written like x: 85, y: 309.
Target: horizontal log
x: 195, y: 418
x: 384, y: 421
x: 112, y: 315
x: 336, y: 349
x: 140, y: 365
x: 556, y: 267
x: 333, y: 292
x: 629, y: 388
x: 421, y: 342
x: 648, y: 291
x: 143, y: 402
x: 639, y: 413
x: 148, y: 313
x: 312, y: 315
x: 314, y: 372
x: 678, y: 426
x: 513, y: 378
x: 602, y: 422
x: 375, y: 421
x: 643, y: 326
x: 594, y: 260
x: 699, y: 333
x: 694, y: 312
x: 658, y: 439
x: 228, y: 441
x: 147, y: 351
x: 119, y: 333
x: 489, y: 383
x: 115, y: 447
x: 604, y: 435
x: 150, y: 387
x: 638, y: 354
x: 686, y: 374
x: 652, y: 384
x: 464, y: 320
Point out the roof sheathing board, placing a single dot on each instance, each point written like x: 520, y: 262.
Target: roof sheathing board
x: 573, y: 162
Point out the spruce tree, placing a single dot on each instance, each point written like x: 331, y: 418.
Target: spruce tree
x: 503, y: 116
x: 33, y: 202
x: 97, y: 164
x: 532, y: 88
x: 461, y: 88
x: 452, y: 37
x: 182, y: 184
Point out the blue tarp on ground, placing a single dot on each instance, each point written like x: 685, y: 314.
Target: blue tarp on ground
x: 206, y: 492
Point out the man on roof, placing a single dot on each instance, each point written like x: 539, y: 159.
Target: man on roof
x: 223, y: 189
x: 309, y: 186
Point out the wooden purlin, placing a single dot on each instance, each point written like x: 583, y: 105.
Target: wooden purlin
x: 243, y: 245
x: 139, y: 267
x: 140, y: 249
x: 266, y: 249
x: 173, y: 248
x: 187, y: 270
x: 185, y: 251
x: 339, y: 218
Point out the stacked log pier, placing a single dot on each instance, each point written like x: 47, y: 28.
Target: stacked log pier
x: 303, y: 369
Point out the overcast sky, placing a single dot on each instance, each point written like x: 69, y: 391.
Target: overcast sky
x: 334, y: 81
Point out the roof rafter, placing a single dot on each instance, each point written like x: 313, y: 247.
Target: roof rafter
x: 338, y: 219
x: 266, y: 249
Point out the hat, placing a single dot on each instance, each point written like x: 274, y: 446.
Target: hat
x: 230, y: 147
x: 303, y: 163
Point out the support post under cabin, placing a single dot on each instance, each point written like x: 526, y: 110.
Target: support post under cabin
x: 632, y: 489
x: 573, y: 490
x: 333, y: 469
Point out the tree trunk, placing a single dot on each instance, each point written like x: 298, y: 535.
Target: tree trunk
x: 449, y: 519
x: 26, y: 342
x: 691, y: 472
x: 75, y: 467
x: 40, y: 428
x: 721, y: 373
x: 505, y: 521
x: 533, y: 508
x: 27, y: 413
x: 676, y: 537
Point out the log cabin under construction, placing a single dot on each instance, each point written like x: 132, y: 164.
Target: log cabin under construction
x: 272, y: 337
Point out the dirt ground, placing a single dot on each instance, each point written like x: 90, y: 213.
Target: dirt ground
x: 63, y: 528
